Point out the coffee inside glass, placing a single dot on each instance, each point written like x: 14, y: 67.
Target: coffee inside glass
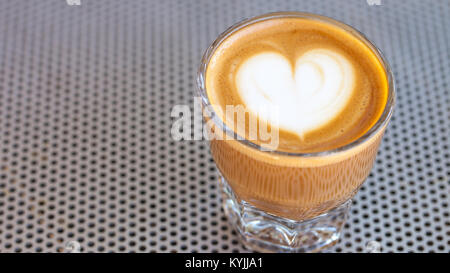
x: 334, y: 95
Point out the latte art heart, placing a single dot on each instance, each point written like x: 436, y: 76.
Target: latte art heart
x: 307, y: 98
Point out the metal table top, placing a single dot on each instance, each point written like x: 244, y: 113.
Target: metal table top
x: 86, y: 156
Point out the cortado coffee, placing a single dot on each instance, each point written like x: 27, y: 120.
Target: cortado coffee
x: 333, y: 94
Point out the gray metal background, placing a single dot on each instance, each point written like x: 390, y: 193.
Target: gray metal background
x: 85, y: 149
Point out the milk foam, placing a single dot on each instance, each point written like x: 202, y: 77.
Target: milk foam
x: 307, y: 98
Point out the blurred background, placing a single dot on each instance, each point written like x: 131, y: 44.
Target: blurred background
x: 87, y: 162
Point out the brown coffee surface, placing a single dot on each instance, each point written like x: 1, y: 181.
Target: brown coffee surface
x: 292, y: 37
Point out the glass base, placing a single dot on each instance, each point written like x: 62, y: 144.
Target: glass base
x: 265, y: 232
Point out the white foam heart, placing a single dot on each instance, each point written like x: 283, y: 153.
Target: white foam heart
x: 307, y: 98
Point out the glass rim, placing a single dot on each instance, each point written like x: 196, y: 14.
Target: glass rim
x: 381, y: 122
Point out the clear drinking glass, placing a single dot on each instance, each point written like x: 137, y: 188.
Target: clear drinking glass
x: 264, y: 192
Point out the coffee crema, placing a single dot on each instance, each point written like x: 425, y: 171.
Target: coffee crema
x: 328, y: 86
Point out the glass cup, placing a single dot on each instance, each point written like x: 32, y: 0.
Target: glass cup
x: 290, y: 202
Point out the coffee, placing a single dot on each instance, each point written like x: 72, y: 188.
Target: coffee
x: 328, y: 85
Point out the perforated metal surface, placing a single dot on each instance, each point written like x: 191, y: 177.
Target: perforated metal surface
x: 85, y: 149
